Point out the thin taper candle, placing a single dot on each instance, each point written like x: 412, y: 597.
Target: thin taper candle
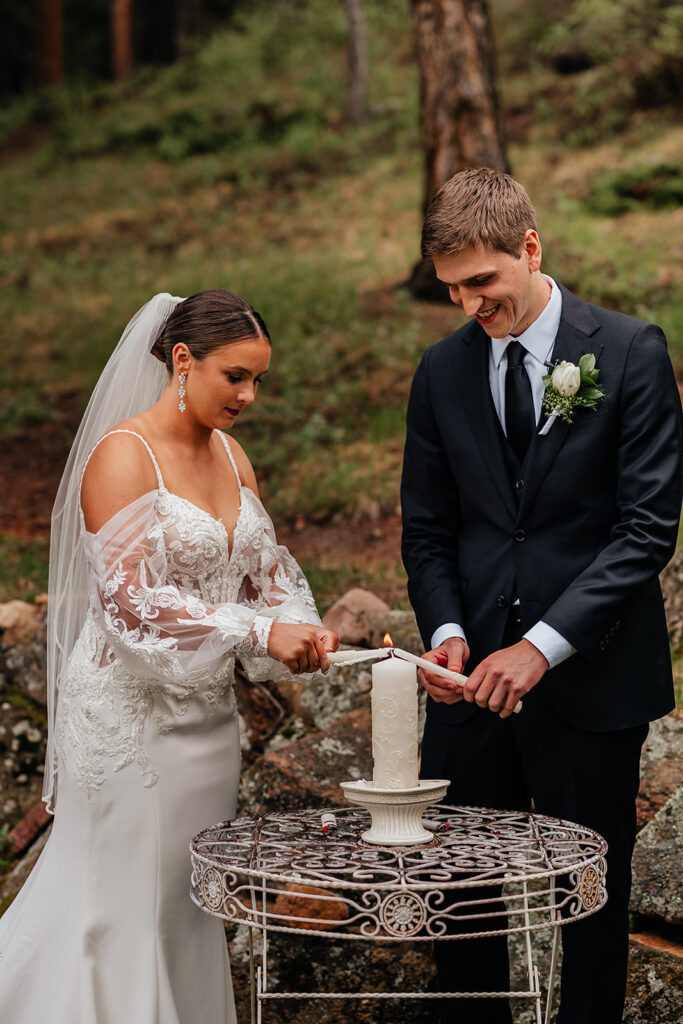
x: 439, y: 670
x: 455, y: 677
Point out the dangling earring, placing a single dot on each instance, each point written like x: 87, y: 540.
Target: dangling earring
x: 181, y: 391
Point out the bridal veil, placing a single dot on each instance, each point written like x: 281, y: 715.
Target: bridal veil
x: 131, y: 382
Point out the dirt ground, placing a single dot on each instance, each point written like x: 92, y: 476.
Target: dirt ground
x: 32, y: 462
x: 31, y: 465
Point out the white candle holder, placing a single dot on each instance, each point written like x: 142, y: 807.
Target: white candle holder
x: 396, y: 813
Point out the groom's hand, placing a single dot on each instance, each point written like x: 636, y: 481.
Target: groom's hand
x: 453, y: 653
x: 502, y: 679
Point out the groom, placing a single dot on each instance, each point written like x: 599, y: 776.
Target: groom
x: 533, y: 561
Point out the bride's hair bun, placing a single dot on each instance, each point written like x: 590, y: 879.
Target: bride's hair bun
x: 207, y: 321
x: 157, y: 348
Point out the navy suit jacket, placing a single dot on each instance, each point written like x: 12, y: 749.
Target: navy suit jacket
x: 579, y: 534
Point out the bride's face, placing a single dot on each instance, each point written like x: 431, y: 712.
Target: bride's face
x: 226, y: 381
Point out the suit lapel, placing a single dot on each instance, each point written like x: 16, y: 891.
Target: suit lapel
x: 573, y: 340
x: 472, y: 382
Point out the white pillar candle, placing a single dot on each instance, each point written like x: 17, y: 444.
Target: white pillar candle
x: 394, y: 724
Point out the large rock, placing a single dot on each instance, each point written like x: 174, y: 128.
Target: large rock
x: 672, y: 588
x: 654, y: 991
x: 353, y: 615
x: 308, y: 964
x: 658, y: 865
x: 401, y: 627
x: 524, y: 1010
x: 22, y: 756
x: 661, y: 765
x: 22, y: 647
x: 345, y: 688
x: 23, y: 835
x: 12, y: 883
x: 321, y: 699
x: 307, y: 773
x: 261, y: 715
x: 311, y: 908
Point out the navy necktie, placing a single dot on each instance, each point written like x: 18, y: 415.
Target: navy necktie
x: 520, y: 418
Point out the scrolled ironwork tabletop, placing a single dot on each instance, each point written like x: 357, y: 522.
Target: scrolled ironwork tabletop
x: 285, y: 872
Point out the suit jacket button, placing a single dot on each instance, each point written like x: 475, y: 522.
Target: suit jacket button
x: 500, y: 601
x: 520, y: 535
x: 519, y: 484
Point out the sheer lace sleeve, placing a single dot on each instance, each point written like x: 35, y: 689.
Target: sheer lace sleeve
x: 152, y: 626
x: 161, y: 628
x: 272, y: 583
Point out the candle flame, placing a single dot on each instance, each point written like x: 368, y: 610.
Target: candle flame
x: 388, y: 642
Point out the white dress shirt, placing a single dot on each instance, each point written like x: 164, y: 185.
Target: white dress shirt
x: 539, y: 341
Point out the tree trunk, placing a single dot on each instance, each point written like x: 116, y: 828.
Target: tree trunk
x: 121, y: 38
x: 182, y: 25
x: 357, y: 62
x: 460, y: 119
x: 49, y: 42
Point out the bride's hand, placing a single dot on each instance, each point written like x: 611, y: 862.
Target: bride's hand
x: 302, y: 648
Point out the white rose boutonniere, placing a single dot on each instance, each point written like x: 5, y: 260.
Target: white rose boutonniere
x: 569, y: 388
x: 566, y: 378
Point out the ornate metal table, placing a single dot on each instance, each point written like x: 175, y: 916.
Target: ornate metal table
x: 284, y: 872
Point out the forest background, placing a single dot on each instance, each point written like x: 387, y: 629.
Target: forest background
x: 218, y: 151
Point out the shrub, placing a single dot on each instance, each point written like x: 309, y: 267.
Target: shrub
x: 622, y: 56
x: 654, y: 187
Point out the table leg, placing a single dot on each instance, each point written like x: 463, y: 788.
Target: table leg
x: 554, y: 916
x: 264, y: 949
x: 252, y: 978
x: 537, y: 983
x: 532, y: 970
x: 259, y: 992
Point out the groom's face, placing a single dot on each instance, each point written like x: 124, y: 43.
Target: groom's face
x: 503, y: 293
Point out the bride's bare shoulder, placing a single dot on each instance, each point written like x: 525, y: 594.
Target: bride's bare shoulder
x: 119, y: 471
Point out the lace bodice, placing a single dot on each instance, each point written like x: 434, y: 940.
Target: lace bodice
x: 197, y: 548
x: 173, y: 600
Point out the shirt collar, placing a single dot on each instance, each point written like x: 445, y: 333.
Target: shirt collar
x: 539, y: 337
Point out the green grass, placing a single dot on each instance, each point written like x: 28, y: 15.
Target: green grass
x: 236, y: 168
x: 15, y: 696
x: 5, y: 859
x: 331, y: 578
x: 23, y: 567
x: 22, y: 407
x: 329, y: 581
x: 678, y: 678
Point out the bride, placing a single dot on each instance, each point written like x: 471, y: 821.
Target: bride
x: 164, y: 569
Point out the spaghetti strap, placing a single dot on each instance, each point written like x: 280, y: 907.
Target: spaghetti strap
x: 122, y: 430
x: 231, y: 457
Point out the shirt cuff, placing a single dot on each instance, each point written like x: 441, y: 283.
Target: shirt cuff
x: 448, y: 631
x: 552, y: 645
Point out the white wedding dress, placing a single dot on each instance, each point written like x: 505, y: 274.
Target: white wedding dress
x: 104, y: 931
